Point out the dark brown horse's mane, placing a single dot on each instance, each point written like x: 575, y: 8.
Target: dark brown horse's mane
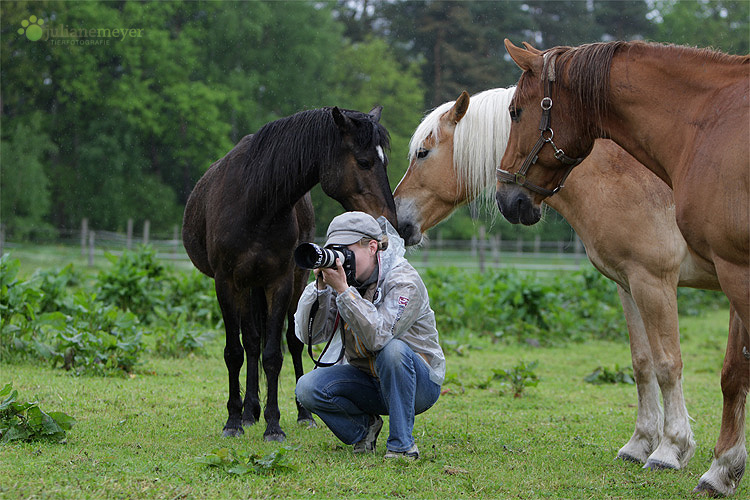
x: 587, y: 67
x: 286, y: 152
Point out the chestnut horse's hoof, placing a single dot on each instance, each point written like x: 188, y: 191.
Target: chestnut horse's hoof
x: 706, y: 489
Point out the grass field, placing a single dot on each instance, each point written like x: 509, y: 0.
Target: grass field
x: 139, y: 437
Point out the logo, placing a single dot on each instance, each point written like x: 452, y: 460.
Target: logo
x: 61, y: 34
x: 32, y: 28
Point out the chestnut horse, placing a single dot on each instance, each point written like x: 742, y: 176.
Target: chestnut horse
x: 452, y: 159
x: 682, y: 112
x: 246, y: 216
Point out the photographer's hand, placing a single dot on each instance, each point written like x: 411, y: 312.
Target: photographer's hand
x: 335, y: 277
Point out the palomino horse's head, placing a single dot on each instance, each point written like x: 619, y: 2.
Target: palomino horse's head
x: 430, y: 189
x: 547, y: 138
x: 358, y: 179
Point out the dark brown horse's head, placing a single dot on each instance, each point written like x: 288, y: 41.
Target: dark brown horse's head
x: 358, y: 178
x: 549, y: 134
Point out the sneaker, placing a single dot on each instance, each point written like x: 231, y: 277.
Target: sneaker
x: 410, y: 454
x: 367, y: 444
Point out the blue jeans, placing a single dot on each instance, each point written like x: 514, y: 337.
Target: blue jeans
x: 344, y: 397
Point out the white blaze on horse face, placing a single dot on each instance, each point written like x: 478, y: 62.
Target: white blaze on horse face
x: 380, y: 153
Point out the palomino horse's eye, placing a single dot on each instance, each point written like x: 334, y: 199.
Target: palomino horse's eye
x: 515, y: 113
x: 422, y: 153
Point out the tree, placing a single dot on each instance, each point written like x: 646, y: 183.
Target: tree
x: 722, y: 24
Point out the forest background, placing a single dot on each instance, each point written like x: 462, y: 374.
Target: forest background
x: 112, y: 128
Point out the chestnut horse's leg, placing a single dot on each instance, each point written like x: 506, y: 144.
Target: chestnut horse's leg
x: 649, y: 420
x: 232, y: 353
x: 278, y: 304
x: 253, y: 319
x: 730, y: 454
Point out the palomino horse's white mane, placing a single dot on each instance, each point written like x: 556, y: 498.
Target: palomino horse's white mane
x: 479, y: 140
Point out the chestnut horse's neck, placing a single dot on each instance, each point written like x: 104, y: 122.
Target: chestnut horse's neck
x: 660, y: 97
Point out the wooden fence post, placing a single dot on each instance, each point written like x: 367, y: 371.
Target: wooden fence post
x: 129, y: 237
x: 84, y: 235
x: 146, y: 230
x: 91, y: 248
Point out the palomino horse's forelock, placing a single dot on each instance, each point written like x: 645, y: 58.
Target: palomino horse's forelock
x: 479, y: 142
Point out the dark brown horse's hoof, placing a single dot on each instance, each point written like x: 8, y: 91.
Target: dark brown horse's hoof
x: 307, y: 423
x: 278, y: 437
x: 706, y: 489
x: 232, y: 432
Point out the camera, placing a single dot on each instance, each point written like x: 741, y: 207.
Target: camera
x: 312, y: 256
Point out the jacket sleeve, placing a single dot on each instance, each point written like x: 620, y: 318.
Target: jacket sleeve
x: 325, y: 317
x: 375, y: 326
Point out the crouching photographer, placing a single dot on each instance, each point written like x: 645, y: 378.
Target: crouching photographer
x: 378, y: 304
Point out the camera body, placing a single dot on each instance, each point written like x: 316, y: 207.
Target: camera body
x: 312, y: 256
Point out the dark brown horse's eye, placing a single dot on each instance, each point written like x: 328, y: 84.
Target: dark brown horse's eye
x: 422, y: 153
x: 364, y: 164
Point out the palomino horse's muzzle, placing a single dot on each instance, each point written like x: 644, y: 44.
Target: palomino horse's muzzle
x: 545, y: 136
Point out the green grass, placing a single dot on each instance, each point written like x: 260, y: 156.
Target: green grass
x: 138, y: 437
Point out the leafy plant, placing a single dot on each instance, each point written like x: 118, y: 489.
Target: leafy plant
x: 603, y: 375
x: 25, y: 421
x: 97, y: 338
x: 519, y: 377
x: 134, y: 283
x: 243, y: 462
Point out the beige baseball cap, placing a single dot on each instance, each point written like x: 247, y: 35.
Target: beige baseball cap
x: 350, y: 227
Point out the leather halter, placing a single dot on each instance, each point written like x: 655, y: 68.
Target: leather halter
x: 544, y: 128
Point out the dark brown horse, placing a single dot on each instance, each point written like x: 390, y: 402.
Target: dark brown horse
x: 682, y: 112
x: 247, y: 214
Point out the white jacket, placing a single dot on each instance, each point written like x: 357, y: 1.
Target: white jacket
x: 400, y: 309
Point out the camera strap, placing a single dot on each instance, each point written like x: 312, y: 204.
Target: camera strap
x: 337, y: 324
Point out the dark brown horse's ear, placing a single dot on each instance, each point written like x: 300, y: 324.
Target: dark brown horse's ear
x: 531, y: 48
x: 342, y: 121
x: 525, y: 59
x: 375, y: 112
x: 458, y: 110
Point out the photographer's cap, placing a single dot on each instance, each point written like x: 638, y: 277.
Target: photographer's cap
x: 350, y: 227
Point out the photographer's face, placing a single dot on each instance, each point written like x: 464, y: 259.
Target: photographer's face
x: 365, y: 257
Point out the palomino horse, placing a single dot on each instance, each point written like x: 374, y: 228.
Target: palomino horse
x: 247, y: 214
x: 452, y: 159
x: 684, y: 113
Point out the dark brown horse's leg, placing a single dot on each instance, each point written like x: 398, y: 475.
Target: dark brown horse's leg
x: 253, y: 319
x: 296, y: 349
x: 278, y: 305
x: 232, y: 354
x: 730, y: 454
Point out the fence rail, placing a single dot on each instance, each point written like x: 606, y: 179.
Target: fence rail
x: 481, y: 252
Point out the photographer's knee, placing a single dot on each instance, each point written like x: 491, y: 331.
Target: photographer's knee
x: 393, y: 354
x: 304, y: 391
